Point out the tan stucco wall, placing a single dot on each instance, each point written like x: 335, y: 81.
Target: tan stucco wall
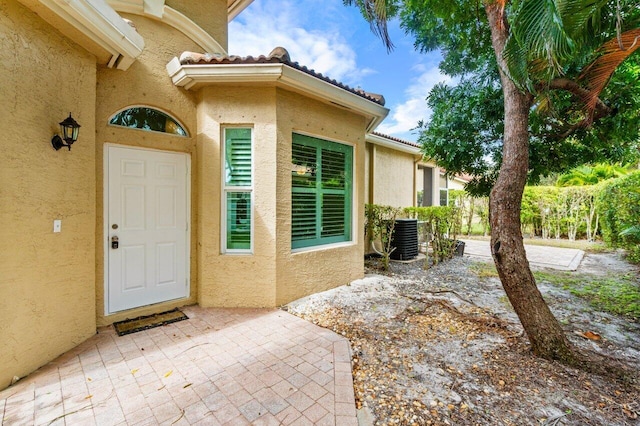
x: 237, y: 279
x: 145, y: 83
x: 272, y: 274
x: 318, y: 268
x: 211, y: 15
x: 393, y: 181
x: 47, y: 280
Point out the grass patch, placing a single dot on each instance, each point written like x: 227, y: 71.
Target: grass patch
x: 619, y: 295
x: 484, y: 269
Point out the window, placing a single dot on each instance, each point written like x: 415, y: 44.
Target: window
x: 444, y: 190
x: 321, y: 181
x: 238, y: 190
x: 148, y: 119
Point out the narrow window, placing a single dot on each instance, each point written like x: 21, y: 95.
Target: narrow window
x: 238, y: 190
x: 149, y: 119
x: 444, y: 190
x: 321, y: 192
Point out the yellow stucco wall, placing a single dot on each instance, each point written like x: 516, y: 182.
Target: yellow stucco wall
x: 317, y: 268
x: 272, y: 274
x: 52, y: 290
x: 237, y: 279
x: 145, y: 83
x: 210, y: 15
x: 393, y: 179
x: 47, y: 279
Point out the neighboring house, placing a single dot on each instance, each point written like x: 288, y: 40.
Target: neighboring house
x: 196, y: 177
x: 399, y: 176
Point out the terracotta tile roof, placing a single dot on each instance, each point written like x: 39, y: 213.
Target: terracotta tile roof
x: 402, y: 141
x: 279, y: 55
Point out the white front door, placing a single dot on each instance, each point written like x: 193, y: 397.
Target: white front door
x: 147, y: 221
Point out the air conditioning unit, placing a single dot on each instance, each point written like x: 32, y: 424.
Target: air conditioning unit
x: 405, y: 239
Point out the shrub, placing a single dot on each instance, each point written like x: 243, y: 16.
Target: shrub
x: 619, y: 207
x: 439, y: 225
x: 379, y: 225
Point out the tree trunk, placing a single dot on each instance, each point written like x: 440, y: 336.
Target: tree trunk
x: 543, y: 330
x: 471, y: 212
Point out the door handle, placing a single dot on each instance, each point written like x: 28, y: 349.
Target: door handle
x: 114, y: 242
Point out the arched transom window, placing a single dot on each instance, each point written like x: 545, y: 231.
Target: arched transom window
x: 149, y: 119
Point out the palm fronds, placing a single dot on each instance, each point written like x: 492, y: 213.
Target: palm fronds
x: 613, y: 53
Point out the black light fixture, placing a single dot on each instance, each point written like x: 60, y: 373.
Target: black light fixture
x: 69, y: 129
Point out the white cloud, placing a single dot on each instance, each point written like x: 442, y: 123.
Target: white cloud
x: 405, y: 116
x: 266, y: 25
x: 323, y: 38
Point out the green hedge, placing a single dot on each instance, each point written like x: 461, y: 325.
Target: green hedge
x: 619, y: 208
x: 439, y: 225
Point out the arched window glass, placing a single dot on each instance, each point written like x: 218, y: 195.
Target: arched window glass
x: 148, y: 119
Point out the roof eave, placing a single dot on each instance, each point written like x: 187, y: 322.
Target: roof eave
x: 172, y: 17
x: 195, y: 76
x: 101, y: 24
x: 235, y: 7
x: 391, y: 144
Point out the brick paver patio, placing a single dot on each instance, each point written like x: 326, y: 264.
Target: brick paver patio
x: 220, y: 367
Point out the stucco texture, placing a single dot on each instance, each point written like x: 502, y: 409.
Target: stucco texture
x: 393, y: 177
x: 145, y: 83
x: 47, y: 279
x: 233, y: 280
x: 272, y: 274
x: 319, y: 268
x: 210, y: 15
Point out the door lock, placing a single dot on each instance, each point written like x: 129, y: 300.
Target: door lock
x: 114, y: 242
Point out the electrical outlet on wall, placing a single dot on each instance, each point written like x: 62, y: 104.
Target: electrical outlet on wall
x: 57, y: 225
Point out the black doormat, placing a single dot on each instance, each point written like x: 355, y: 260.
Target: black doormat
x: 150, y: 321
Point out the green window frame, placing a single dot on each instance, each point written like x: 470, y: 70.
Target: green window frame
x: 237, y: 191
x: 321, y: 192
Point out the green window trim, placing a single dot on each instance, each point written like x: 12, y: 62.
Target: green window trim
x: 238, y: 190
x: 321, y: 192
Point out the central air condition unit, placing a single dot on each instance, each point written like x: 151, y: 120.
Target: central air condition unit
x: 405, y: 239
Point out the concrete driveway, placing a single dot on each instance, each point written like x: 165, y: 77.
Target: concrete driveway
x: 562, y: 259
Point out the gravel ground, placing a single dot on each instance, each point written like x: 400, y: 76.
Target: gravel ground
x: 443, y: 346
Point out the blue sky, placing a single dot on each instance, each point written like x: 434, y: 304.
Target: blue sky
x: 336, y: 41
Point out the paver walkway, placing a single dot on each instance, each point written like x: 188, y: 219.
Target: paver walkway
x: 563, y: 259
x: 222, y: 366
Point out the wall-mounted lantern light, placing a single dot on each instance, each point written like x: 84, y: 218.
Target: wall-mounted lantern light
x: 69, y: 129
